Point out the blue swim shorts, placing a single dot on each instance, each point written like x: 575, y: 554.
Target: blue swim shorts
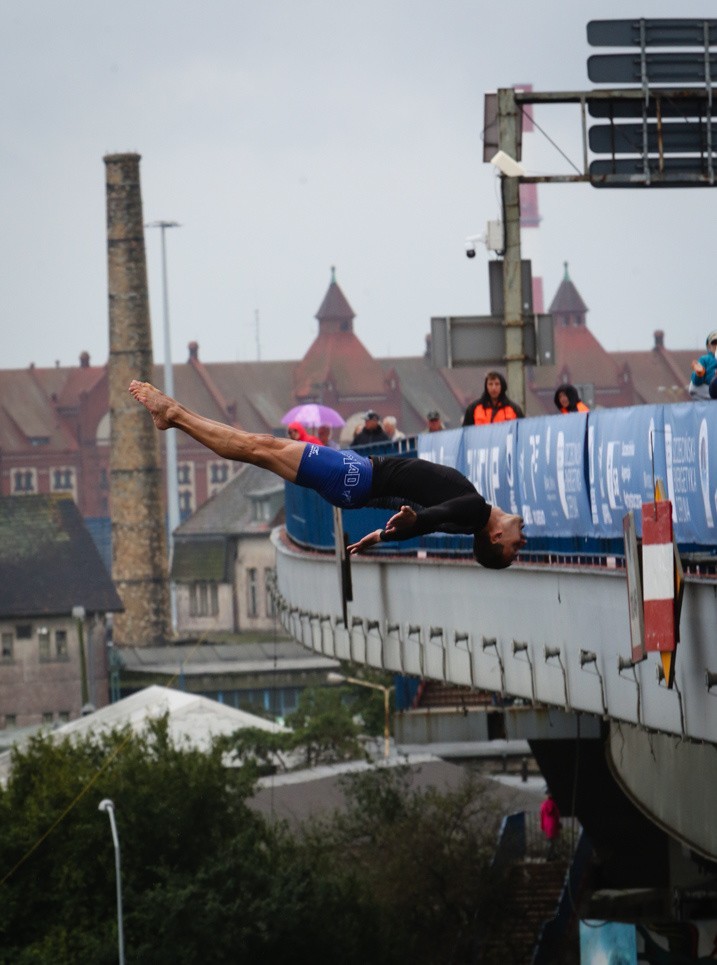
x: 341, y: 476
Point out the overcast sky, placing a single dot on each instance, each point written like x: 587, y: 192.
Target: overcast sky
x: 287, y: 136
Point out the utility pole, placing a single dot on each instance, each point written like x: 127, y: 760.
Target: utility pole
x: 508, y: 128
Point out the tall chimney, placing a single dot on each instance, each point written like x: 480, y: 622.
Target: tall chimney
x: 139, y: 550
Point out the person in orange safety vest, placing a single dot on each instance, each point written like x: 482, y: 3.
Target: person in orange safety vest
x: 494, y: 405
x: 567, y: 399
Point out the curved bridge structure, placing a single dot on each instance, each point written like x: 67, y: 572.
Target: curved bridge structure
x: 554, y: 629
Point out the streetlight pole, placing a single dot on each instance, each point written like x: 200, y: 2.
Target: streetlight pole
x: 337, y: 678
x: 108, y: 806
x: 171, y: 435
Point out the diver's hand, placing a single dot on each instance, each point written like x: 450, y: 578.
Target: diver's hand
x: 369, y: 540
x: 404, y: 519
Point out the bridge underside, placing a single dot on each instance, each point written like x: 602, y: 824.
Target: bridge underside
x: 554, y: 636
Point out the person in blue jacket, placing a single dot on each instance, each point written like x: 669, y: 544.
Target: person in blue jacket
x: 704, y: 370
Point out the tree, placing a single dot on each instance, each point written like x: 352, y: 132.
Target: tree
x: 399, y: 876
x: 324, y: 729
x: 424, y: 856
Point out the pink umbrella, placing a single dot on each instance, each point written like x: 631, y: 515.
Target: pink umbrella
x: 313, y: 414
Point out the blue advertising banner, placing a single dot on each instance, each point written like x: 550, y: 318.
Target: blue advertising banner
x: 551, y: 460
x: 441, y: 447
x: 488, y: 459
x: 691, y: 469
x: 621, y: 443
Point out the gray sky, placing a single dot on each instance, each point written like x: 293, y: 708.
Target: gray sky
x: 291, y: 135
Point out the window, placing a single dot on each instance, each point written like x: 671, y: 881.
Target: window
x: 47, y: 717
x: 7, y: 646
x: 61, y: 651
x: 269, y: 599
x: 252, y: 602
x: 185, y: 481
x: 261, y: 510
x: 24, y: 480
x: 185, y: 503
x: 203, y: 600
x: 63, y: 716
x: 23, y: 631
x: 43, y: 640
x: 62, y: 479
x: 218, y: 473
x: 10, y: 721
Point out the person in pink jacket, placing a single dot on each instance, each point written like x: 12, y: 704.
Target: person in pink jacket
x: 550, y: 822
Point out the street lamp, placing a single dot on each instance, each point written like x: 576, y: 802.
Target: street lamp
x: 339, y: 678
x: 171, y: 435
x: 108, y: 806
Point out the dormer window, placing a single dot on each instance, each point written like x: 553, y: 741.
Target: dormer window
x: 261, y: 510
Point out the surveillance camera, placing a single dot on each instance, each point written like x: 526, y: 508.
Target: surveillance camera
x: 471, y: 242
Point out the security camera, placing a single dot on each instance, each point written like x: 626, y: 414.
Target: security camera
x: 471, y: 242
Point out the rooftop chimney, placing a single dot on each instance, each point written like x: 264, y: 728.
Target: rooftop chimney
x: 659, y: 338
x: 139, y: 550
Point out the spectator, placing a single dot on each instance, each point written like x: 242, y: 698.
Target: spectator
x: 371, y: 432
x: 566, y: 399
x: 324, y: 434
x: 434, y: 423
x: 494, y: 405
x: 299, y: 434
x: 550, y: 822
x: 391, y: 429
x: 704, y: 370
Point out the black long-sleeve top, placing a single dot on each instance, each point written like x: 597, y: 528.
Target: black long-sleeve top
x: 444, y: 500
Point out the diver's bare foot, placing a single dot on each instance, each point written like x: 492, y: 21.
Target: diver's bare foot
x: 156, y: 403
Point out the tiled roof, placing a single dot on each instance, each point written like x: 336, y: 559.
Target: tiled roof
x: 48, y: 561
x: 26, y: 414
x: 660, y: 375
x: 579, y: 357
x: 341, y: 358
x: 230, y: 511
x: 201, y: 559
x: 38, y: 404
x: 425, y: 388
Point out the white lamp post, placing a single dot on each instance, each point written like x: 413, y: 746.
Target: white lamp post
x: 108, y: 806
x: 171, y: 435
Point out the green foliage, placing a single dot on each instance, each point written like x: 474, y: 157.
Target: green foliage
x: 424, y: 857
x: 266, y: 751
x: 400, y: 876
x: 324, y: 728
x: 174, y: 807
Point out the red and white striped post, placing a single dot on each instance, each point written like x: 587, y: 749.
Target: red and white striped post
x: 658, y: 576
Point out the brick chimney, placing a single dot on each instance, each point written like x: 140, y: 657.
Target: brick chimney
x: 659, y: 336
x: 139, y: 550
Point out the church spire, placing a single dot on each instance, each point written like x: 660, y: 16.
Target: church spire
x: 567, y: 308
x: 335, y: 313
